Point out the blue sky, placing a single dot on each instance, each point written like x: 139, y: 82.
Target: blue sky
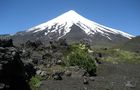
x: 20, y: 15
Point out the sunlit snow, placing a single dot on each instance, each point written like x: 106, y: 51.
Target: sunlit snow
x: 66, y: 20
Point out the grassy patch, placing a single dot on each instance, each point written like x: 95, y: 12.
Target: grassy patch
x: 120, y: 56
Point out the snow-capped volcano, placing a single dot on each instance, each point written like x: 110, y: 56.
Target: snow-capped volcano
x: 74, y: 28
x: 70, y: 18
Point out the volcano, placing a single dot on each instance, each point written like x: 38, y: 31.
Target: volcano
x: 74, y: 28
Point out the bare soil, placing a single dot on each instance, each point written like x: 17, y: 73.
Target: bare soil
x: 109, y: 77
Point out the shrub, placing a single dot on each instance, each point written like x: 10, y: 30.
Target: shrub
x: 78, y: 56
x: 35, y: 82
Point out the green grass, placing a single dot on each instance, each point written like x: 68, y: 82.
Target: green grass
x: 120, y: 56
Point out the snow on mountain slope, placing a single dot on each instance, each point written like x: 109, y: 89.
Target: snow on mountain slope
x: 66, y: 20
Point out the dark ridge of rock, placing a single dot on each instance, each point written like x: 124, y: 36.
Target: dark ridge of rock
x: 14, y: 75
x: 6, y: 42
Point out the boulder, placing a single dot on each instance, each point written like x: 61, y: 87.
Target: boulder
x: 92, y: 78
x: 43, y: 73
x: 57, y: 75
x: 68, y: 73
x: 59, y: 62
x: 129, y: 84
x: 38, y: 72
x: 85, y: 80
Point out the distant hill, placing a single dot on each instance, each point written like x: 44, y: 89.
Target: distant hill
x: 132, y: 45
x: 5, y: 36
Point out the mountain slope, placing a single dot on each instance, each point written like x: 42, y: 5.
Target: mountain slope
x: 132, y: 45
x: 73, y: 27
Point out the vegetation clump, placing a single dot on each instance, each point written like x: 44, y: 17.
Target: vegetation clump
x: 78, y: 55
x: 35, y: 82
x: 120, y: 56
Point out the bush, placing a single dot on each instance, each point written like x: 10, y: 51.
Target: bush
x: 78, y: 56
x: 35, y: 82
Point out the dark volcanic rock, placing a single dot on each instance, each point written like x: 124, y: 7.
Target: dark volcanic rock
x: 57, y: 75
x: 68, y: 73
x: 85, y: 80
x: 6, y: 42
x: 13, y: 74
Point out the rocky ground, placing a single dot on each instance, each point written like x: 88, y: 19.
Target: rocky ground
x: 14, y: 74
x: 33, y: 66
x: 109, y: 77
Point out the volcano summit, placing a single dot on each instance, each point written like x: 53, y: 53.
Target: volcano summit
x: 73, y: 27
